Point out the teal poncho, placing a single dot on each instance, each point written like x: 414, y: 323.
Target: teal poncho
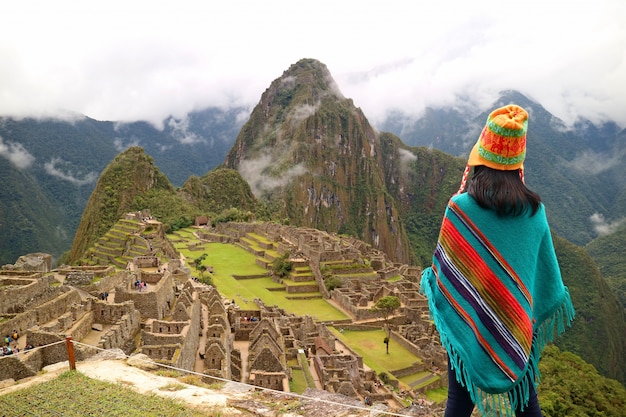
x: 496, y: 296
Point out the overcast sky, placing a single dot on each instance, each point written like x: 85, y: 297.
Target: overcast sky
x: 144, y: 60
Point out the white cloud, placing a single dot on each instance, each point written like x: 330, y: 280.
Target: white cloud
x: 121, y: 145
x: 180, y: 131
x: 406, y: 156
x: 257, y: 173
x: 57, y: 167
x: 300, y: 113
x: 146, y: 60
x: 594, y: 163
x: 16, y: 154
x: 602, y: 227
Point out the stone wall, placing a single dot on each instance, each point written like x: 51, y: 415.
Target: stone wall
x: 43, y: 313
x: 79, y: 278
x: 98, y: 271
x: 49, y: 353
x: 81, y: 328
x: 151, y: 278
x: 187, y: 358
x: 146, y: 262
x: 174, y: 342
x: 298, y: 289
x: 106, y: 283
x: 154, y: 303
x: 17, y: 292
x: 11, y: 367
x: 271, y: 380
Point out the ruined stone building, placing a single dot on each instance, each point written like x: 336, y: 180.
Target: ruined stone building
x: 182, y: 322
x: 43, y: 311
x: 218, y: 347
x: 266, y: 357
x: 174, y: 341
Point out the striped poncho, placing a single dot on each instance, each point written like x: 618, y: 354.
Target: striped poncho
x: 497, y: 297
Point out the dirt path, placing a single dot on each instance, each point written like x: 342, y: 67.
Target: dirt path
x: 199, y: 365
x: 243, y: 349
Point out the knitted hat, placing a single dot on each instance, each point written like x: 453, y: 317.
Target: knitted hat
x: 502, y: 143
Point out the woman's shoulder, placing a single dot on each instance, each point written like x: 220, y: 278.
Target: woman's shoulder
x: 466, y: 202
x: 463, y: 200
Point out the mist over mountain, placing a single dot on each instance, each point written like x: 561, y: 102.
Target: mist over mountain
x: 578, y: 171
x: 313, y: 156
x: 54, y: 164
x: 50, y: 167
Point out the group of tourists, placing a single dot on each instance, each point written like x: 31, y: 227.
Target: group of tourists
x: 10, y: 344
x: 141, y: 285
x: 11, y: 339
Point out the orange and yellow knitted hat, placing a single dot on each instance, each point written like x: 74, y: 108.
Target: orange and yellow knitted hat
x: 502, y: 143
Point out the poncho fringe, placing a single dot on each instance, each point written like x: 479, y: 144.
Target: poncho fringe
x: 504, y: 404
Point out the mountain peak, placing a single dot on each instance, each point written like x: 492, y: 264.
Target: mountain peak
x: 310, y: 78
x: 131, y: 173
x: 308, y: 151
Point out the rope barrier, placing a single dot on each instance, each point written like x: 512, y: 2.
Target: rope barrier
x: 16, y: 354
x: 256, y: 387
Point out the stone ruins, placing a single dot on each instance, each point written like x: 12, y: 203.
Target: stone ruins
x: 136, y: 293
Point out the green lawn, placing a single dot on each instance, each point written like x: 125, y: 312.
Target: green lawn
x: 437, y: 395
x: 369, y: 344
x: 228, y: 260
x: 298, y: 381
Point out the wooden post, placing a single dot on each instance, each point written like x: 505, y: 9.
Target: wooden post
x: 70, y: 352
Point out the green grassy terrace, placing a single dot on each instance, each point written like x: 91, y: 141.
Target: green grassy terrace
x: 73, y: 394
x: 230, y: 260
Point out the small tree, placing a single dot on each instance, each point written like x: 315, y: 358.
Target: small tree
x: 332, y: 282
x: 198, y: 261
x: 282, y: 266
x: 202, y: 270
x: 386, y: 306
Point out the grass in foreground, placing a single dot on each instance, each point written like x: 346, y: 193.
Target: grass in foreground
x: 73, y: 394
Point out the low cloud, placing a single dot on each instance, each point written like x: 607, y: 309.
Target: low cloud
x: 257, y: 173
x: 602, y: 227
x: 302, y: 112
x: 406, y: 157
x: 121, y: 145
x: 57, y: 167
x: 180, y: 131
x: 16, y: 154
x: 594, y: 163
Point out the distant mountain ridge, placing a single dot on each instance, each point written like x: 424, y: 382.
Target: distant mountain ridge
x: 49, y: 168
x: 578, y: 172
x: 54, y: 164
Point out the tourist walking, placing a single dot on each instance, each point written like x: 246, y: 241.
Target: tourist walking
x: 495, y: 289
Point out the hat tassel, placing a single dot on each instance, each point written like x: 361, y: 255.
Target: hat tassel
x: 464, y: 180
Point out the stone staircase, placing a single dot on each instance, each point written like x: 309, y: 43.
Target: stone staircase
x: 301, y: 279
x: 120, y: 245
x: 346, y: 269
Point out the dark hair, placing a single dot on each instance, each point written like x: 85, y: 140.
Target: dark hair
x: 502, y: 191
